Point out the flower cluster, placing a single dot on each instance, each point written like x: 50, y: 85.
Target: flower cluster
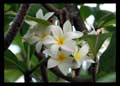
x: 60, y: 44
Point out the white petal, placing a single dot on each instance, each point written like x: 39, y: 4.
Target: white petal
x: 69, y: 46
x: 75, y: 65
x: 52, y: 63
x: 31, y: 23
x: 49, y: 40
x: 56, y: 30
x: 64, y: 68
x: 73, y: 35
x: 39, y: 14
x: 54, y: 48
x: 90, y: 60
x: 85, y: 65
x: 38, y: 47
x: 84, y: 50
x: 30, y: 39
x: 67, y: 27
x: 48, y: 15
x: 48, y: 52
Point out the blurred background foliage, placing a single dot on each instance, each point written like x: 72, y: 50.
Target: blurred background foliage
x: 15, y: 62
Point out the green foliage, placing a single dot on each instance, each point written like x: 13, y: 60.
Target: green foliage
x: 11, y: 75
x: 34, y: 8
x: 108, y: 78
x: 11, y: 58
x: 108, y: 58
x: 95, y: 41
x: 85, y: 12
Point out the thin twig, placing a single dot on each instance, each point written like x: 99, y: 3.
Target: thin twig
x: 16, y: 25
x: 50, y: 7
x: 43, y: 68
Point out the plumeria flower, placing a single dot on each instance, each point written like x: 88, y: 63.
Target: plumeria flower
x: 80, y: 56
x: 60, y: 59
x: 39, y: 14
x: 37, y: 32
x: 36, y: 36
x: 63, y: 38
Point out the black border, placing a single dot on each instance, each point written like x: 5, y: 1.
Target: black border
x: 55, y: 1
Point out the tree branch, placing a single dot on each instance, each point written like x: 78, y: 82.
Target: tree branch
x: 75, y: 17
x: 50, y: 7
x: 43, y: 68
x: 16, y: 25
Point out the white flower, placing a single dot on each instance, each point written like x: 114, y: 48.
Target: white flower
x: 80, y: 56
x: 37, y: 32
x: 60, y: 59
x: 39, y: 14
x: 36, y: 35
x: 63, y: 38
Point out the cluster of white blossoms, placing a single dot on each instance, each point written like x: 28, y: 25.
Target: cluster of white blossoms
x: 59, y: 44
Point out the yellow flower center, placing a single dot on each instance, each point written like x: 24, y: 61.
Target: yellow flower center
x: 60, y: 40
x: 61, y: 57
x: 77, y: 56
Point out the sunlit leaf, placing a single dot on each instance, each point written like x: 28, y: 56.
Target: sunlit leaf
x: 95, y: 42
x: 11, y: 75
x: 108, y: 58
x: 85, y: 12
x: 108, y: 78
x: 6, y: 7
x: 11, y: 58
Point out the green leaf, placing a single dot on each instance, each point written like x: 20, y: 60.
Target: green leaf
x: 11, y: 58
x: 32, y: 50
x: 34, y: 8
x: 91, y: 40
x: 51, y: 76
x: 103, y: 18
x: 6, y: 7
x: 108, y: 58
x: 18, y: 41
x: 30, y: 18
x: 85, y: 12
x: 108, y: 78
x: 59, y: 6
x: 38, y: 20
x: 24, y: 29
x: 110, y: 28
x: 10, y: 75
x: 100, y: 40
x: 7, y: 20
x: 95, y: 42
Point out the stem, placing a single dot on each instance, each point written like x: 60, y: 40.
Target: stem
x: 16, y: 25
x: 43, y: 68
x: 28, y: 58
x: 27, y: 78
x: 41, y: 62
x: 50, y: 7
